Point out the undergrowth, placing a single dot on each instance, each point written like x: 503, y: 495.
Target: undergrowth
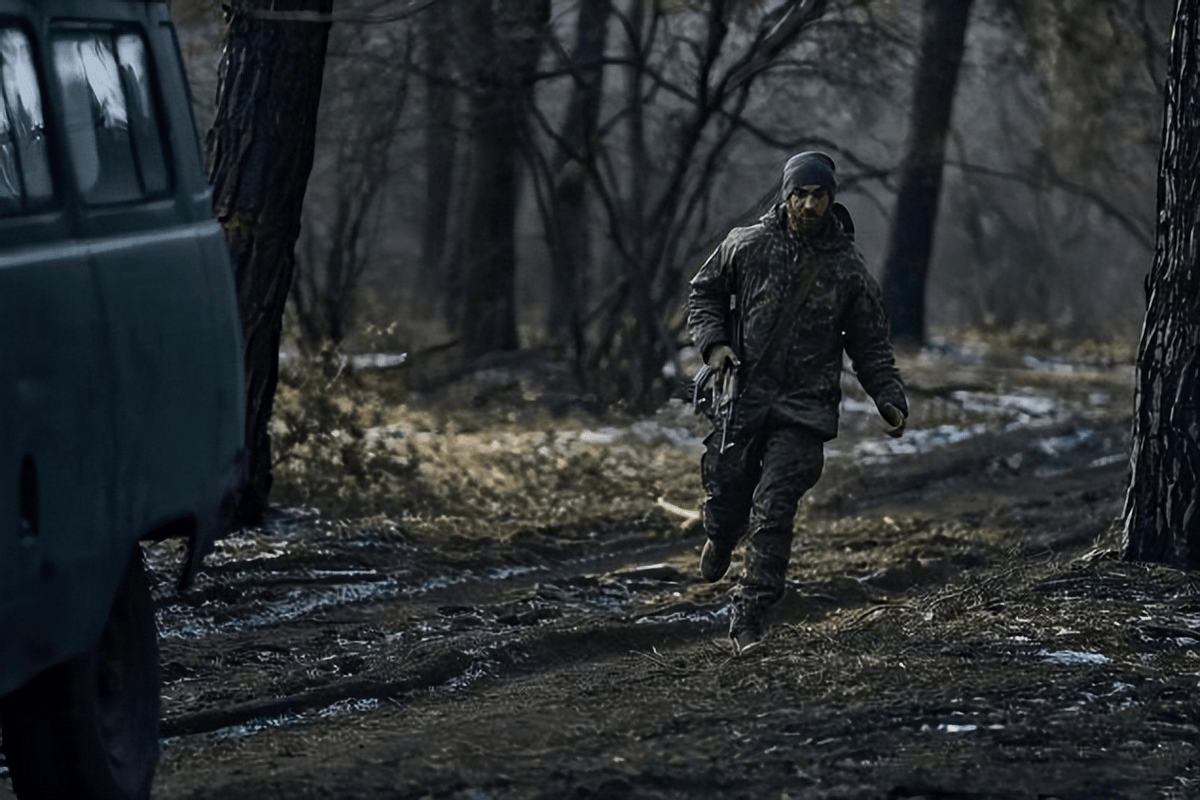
x: 343, y: 450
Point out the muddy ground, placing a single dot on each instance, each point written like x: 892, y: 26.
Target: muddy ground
x: 525, y: 620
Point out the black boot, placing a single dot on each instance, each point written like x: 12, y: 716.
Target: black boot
x: 714, y: 561
x: 761, y: 586
x: 718, y: 550
x: 746, y: 625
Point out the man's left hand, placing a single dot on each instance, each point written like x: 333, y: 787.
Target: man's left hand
x: 895, y: 419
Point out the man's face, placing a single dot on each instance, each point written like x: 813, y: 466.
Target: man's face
x: 807, y: 207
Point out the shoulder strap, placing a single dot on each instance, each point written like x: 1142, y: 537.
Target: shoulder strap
x: 786, y: 319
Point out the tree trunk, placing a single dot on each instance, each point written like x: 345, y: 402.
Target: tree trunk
x: 504, y: 47
x: 260, y: 152
x: 641, y: 343
x: 570, y: 244
x: 910, y: 244
x: 489, y: 287
x: 441, y: 149
x: 1161, y: 519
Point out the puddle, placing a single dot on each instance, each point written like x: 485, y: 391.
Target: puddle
x: 708, y: 615
x: 483, y: 665
x: 243, y: 730
x: 953, y: 727
x: 184, y: 622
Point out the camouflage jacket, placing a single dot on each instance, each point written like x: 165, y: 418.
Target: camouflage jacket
x: 801, y: 384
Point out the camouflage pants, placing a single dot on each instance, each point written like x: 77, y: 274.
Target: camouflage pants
x: 754, y: 488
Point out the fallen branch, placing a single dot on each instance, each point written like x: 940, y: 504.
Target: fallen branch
x: 679, y: 511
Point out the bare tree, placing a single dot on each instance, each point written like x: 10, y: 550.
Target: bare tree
x: 260, y: 151
x: 654, y: 196
x: 661, y: 127
x: 1162, y: 519
x: 570, y: 241
x: 360, y: 122
x: 441, y: 148
x: 504, y: 43
x: 1049, y: 183
x: 910, y: 245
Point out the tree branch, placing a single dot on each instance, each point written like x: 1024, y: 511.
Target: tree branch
x: 1124, y: 220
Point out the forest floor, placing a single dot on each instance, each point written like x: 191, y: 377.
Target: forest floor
x: 502, y: 606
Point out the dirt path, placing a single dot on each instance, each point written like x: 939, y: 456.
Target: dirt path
x: 946, y: 634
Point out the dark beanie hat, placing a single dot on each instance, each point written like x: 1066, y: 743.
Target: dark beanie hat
x: 811, y: 168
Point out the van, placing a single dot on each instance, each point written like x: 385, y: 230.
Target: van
x: 121, y: 395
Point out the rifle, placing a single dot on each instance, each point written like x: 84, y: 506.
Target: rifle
x: 723, y: 385
x: 725, y: 402
x: 716, y: 396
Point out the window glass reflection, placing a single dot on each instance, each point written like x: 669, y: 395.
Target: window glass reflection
x: 135, y: 76
x: 25, y: 183
x: 96, y: 118
x: 10, y: 180
x: 111, y: 118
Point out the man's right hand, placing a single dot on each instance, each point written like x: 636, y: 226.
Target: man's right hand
x: 720, y: 358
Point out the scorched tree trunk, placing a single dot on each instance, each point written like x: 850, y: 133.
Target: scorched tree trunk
x: 260, y: 151
x: 1161, y: 519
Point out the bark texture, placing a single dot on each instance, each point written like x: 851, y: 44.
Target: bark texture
x: 910, y: 244
x: 1161, y: 523
x: 260, y: 152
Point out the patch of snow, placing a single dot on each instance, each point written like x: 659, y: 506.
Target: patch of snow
x: 1105, y: 461
x: 378, y: 360
x: 1053, y: 366
x: 600, y: 436
x: 917, y: 441
x: 1057, y: 445
x: 1073, y: 657
x: 1024, y: 406
x: 644, y: 432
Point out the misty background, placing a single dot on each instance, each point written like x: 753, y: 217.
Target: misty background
x: 1045, y: 226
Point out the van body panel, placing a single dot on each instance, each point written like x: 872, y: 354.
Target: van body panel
x: 56, y: 418
x: 121, y: 388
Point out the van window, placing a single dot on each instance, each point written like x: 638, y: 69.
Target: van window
x: 25, y: 183
x: 143, y: 119
x: 110, y: 116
